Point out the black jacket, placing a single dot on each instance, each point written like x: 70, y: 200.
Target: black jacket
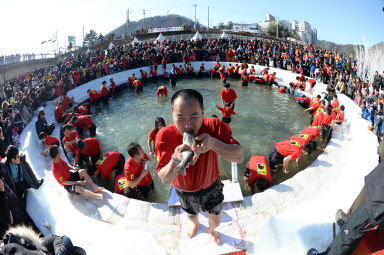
x: 374, y: 198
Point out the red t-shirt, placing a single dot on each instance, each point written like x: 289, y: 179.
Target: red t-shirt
x: 335, y: 104
x: 133, y: 170
x: 289, y: 148
x: 258, y: 167
x: 228, y: 95
x: 121, y: 183
x: 61, y: 171
x: 226, y: 113
x: 50, y: 140
x: 59, y: 112
x: 152, y: 135
x: 340, y: 115
x: 327, y: 119
x: 84, y: 122
x: 106, y: 164
x: 301, y: 138
x: 164, y: 90
x: 318, y: 119
x: 72, y: 137
x: 92, y: 147
x: 104, y: 91
x: 312, y: 131
x: 206, y: 170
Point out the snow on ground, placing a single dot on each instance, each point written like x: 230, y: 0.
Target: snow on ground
x: 288, y: 218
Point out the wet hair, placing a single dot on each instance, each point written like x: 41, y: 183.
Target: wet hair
x: 42, y: 135
x: 66, y: 126
x: 214, y: 115
x: 12, y: 152
x: 262, y: 184
x: 133, y: 149
x: 159, y: 120
x: 104, y: 82
x: 318, y: 96
x: 342, y: 108
x: 227, y: 104
x: 308, y: 148
x: 187, y: 94
x: 53, y: 151
x: 335, y: 96
x: 80, y: 144
x: 226, y: 85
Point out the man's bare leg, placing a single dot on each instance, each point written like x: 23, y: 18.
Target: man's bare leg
x: 213, y: 222
x: 84, y: 175
x: 88, y: 193
x: 195, y: 225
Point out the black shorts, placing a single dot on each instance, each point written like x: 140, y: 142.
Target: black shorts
x: 209, y: 199
x: 139, y: 192
x: 75, y: 176
x: 227, y: 120
x: 275, y: 158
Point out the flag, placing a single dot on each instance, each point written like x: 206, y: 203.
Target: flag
x: 50, y: 40
x: 53, y: 41
x: 43, y: 42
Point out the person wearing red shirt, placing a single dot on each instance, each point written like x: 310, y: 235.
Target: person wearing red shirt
x: 137, y: 173
x: 70, y: 138
x: 312, y: 131
x: 327, y: 124
x: 335, y: 102
x: 153, y: 72
x: 227, y: 111
x: 131, y: 79
x: 303, y: 101
x: 257, y: 171
x: 72, y: 181
x: 144, y: 75
x: 84, y: 123
x: 59, y: 112
x: 110, y: 161
x: 190, y: 70
x: 228, y: 95
x: 303, y: 139
x: 47, y: 141
x: 161, y: 91
x: 200, y: 188
x: 272, y: 78
x: 89, y: 147
x: 244, y: 79
x: 252, y: 70
x: 82, y: 109
x: 159, y: 124
x: 138, y: 85
x: 284, y: 152
x: 94, y: 97
x: 340, y: 115
x: 237, y: 70
x: 104, y: 91
x: 164, y: 64
x: 230, y: 70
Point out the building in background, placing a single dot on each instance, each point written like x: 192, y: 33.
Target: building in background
x: 249, y: 28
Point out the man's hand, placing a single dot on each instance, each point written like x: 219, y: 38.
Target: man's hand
x: 80, y: 183
x: 204, y: 142
x: 177, y: 155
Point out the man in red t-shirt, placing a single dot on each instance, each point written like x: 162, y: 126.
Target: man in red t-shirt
x: 82, y: 124
x: 89, y: 147
x: 70, y: 138
x: 104, y: 92
x: 228, y: 95
x: 59, y: 112
x: 312, y: 131
x: 106, y: 164
x: 47, y: 141
x: 138, y: 176
x: 227, y: 111
x: 284, y: 152
x: 340, y: 115
x: 72, y: 181
x: 200, y: 188
x: 257, y: 171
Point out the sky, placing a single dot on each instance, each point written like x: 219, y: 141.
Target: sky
x: 24, y: 24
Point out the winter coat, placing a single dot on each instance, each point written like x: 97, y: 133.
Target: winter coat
x: 374, y: 190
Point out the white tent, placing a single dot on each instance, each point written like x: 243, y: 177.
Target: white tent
x: 197, y: 36
x: 161, y: 38
x: 224, y: 36
x: 111, y: 45
x: 135, y: 41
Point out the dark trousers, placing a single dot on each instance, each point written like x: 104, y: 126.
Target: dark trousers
x: 351, y: 233
x: 120, y: 165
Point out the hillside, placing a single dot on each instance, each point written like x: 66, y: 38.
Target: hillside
x: 171, y: 20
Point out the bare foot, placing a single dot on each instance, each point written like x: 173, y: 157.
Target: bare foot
x: 192, y: 231
x: 99, y: 196
x: 215, y: 236
x: 97, y: 189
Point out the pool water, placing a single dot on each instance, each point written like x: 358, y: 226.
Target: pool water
x: 267, y: 117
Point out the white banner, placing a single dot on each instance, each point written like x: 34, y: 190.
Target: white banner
x: 164, y: 29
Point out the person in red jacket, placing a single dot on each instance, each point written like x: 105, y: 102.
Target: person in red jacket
x: 340, y: 115
x: 153, y: 72
x: 303, y: 101
x: 138, y: 85
x: 244, y: 79
x: 257, y: 171
x: 94, y: 96
x: 104, y: 91
x: 72, y: 181
x: 230, y: 70
x: 47, y: 141
x: 144, y: 75
x: 84, y: 123
x: 131, y: 79
x: 69, y: 139
x: 227, y: 111
x: 228, y: 95
x: 110, y: 161
x: 159, y: 124
x: 161, y: 91
x: 59, y: 112
x: 88, y: 148
x: 137, y: 173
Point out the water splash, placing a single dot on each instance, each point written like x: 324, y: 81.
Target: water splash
x: 369, y: 60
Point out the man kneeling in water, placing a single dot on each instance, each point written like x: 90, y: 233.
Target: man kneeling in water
x: 72, y: 181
